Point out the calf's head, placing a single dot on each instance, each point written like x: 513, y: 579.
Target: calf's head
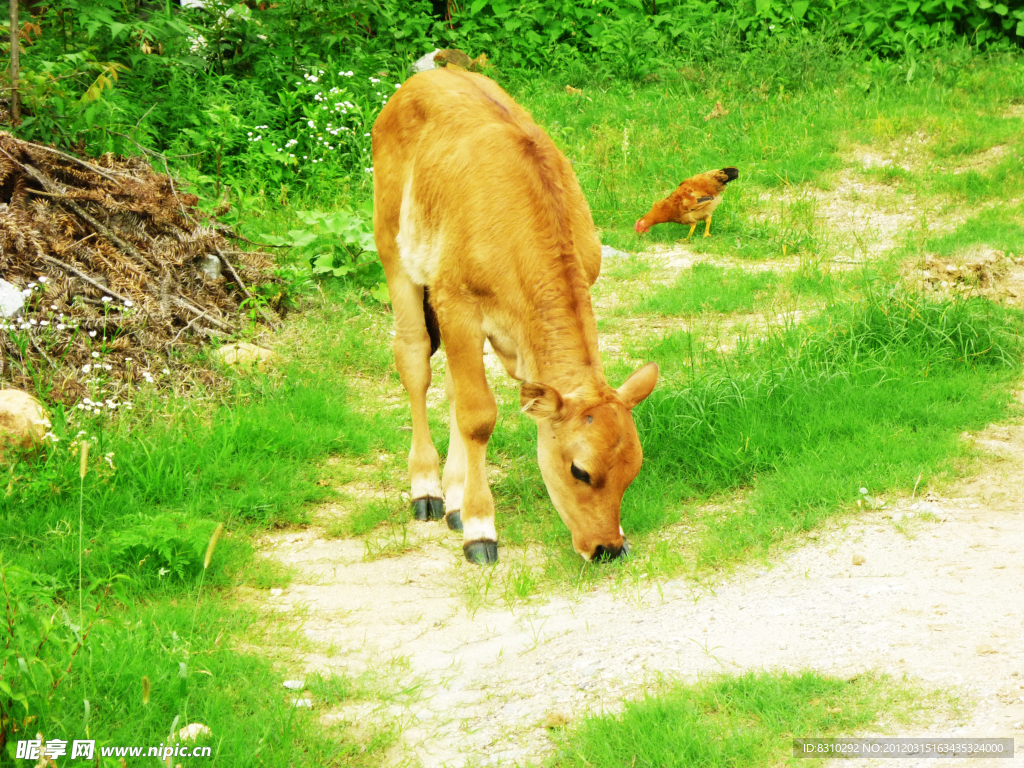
x: 589, y: 453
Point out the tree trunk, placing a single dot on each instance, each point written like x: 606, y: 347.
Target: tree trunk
x: 15, y: 99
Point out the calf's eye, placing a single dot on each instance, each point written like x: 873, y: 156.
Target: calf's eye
x: 580, y: 474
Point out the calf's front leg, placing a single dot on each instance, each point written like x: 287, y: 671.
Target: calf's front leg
x: 475, y: 414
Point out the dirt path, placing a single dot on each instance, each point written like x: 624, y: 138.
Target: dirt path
x: 939, y: 597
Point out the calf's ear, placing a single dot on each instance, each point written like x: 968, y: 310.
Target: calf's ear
x: 539, y: 401
x: 638, y: 386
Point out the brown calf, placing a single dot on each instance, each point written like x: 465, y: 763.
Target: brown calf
x: 484, y: 234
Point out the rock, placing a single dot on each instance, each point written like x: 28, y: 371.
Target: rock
x: 306, y: 703
x: 11, y: 301
x: 193, y: 731
x: 209, y: 266
x: 858, y: 559
x: 23, y: 420
x: 425, y: 62
x: 295, y: 685
x: 607, y: 252
x: 243, y: 355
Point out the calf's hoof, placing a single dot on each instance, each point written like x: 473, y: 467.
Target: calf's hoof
x: 428, y: 508
x: 454, y: 520
x: 481, y: 551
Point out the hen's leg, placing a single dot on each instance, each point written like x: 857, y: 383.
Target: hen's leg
x: 692, y: 227
x: 707, y: 227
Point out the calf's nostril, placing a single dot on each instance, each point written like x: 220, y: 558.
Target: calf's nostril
x: 603, y: 553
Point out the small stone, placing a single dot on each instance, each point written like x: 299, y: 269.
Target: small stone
x: 193, y: 731
x: 295, y: 685
x: 23, y: 420
x: 607, y: 252
x: 11, y: 301
x: 208, y: 265
x: 276, y: 592
x: 984, y: 650
x: 243, y: 356
x: 306, y: 703
x: 555, y: 720
x: 858, y: 559
x: 897, y: 517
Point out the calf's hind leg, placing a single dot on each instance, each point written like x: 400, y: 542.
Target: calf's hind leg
x: 453, y: 481
x: 412, y: 358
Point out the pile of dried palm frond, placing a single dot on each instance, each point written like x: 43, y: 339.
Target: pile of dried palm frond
x: 117, y: 268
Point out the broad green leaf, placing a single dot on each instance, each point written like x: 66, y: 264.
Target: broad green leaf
x: 1001, y: 9
x: 800, y: 8
x: 380, y: 293
x: 324, y: 263
x: 476, y: 7
x: 301, y: 237
x: 761, y: 7
x: 1020, y: 28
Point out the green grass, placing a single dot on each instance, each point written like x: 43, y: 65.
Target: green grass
x: 750, y: 719
x: 158, y: 482
x: 706, y: 287
x: 252, y: 458
x: 870, y: 394
x: 1000, y: 228
x: 189, y: 655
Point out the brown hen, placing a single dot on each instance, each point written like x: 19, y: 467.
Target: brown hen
x: 692, y: 201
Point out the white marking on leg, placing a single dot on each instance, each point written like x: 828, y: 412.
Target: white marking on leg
x: 475, y: 529
x: 453, y: 497
x: 426, y: 486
